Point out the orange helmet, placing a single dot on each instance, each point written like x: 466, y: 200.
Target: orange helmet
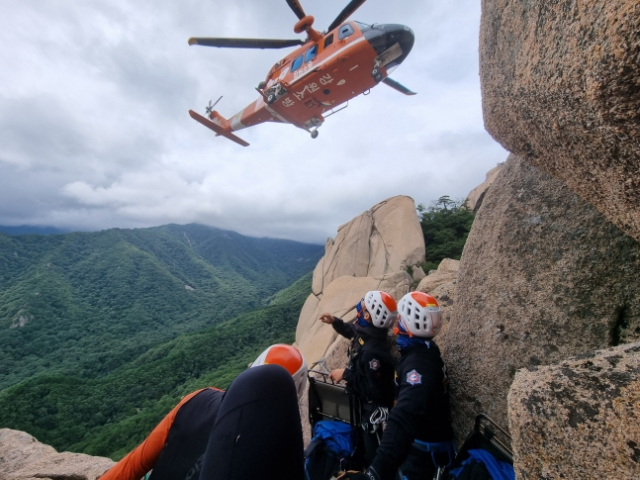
x: 288, y: 357
x: 420, y: 314
x: 382, y: 308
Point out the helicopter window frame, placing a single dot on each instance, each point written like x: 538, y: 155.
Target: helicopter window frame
x: 328, y: 40
x: 345, y: 31
x: 311, y: 53
x: 297, y: 63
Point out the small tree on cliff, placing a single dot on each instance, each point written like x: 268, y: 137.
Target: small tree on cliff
x: 445, y: 226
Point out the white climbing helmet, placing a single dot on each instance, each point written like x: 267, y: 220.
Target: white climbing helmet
x: 289, y: 357
x: 420, y: 314
x: 382, y: 308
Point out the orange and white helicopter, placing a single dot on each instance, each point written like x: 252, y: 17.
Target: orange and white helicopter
x: 327, y: 70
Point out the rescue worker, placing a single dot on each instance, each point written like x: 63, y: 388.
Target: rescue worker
x: 418, y: 433
x: 369, y: 373
x: 250, y: 431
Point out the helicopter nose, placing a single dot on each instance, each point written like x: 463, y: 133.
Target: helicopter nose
x: 384, y: 37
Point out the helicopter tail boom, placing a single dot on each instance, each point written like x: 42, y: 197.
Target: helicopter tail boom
x: 219, y: 126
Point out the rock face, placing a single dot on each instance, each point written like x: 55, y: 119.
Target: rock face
x: 371, y: 252
x: 578, y: 419
x: 561, y: 88
x: 380, y: 241
x: 23, y: 457
x: 544, y: 276
x: 475, y: 197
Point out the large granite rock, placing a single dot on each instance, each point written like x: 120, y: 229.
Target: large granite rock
x: 23, y: 457
x: 561, y: 88
x: 543, y: 276
x: 578, y: 419
x: 385, y: 239
x: 475, y: 197
x: 371, y: 252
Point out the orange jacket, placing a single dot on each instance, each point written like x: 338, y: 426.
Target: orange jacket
x: 142, y: 459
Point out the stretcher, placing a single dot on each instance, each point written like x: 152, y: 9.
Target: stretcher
x: 328, y: 400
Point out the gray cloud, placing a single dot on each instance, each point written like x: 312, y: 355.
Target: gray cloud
x: 94, y: 131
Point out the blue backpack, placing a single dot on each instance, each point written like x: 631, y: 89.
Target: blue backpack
x: 332, y: 442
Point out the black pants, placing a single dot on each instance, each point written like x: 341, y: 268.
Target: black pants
x: 257, y: 433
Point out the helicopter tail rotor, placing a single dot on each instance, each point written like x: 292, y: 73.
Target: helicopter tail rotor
x: 209, y: 108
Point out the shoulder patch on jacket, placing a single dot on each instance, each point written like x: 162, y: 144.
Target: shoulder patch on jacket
x: 374, y: 364
x: 414, y: 378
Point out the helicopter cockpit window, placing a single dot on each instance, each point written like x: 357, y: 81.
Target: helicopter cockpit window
x: 311, y: 53
x: 362, y: 26
x: 297, y: 63
x: 328, y: 40
x: 345, y: 31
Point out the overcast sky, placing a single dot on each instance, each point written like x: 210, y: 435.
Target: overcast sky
x: 94, y: 129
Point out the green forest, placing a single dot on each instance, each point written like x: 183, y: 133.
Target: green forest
x: 445, y: 224
x: 85, y: 303
x: 102, y: 333
x: 110, y: 415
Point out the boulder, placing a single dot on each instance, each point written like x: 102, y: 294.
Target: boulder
x: 382, y: 240
x: 475, y: 197
x: 449, y: 265
x: 23, y: 457
x: 417, y: 273
x: 446, y: 273
x: 434, y: 280
x: 561, y: 88
x: 578, y: 419
x: 543, y: 276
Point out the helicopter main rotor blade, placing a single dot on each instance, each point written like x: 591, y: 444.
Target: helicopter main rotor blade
x: 397, y: 86
x: 245, y: 42
x: 346, y: 13
x: 297, y: 8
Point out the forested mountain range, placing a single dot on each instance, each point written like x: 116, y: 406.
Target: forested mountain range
x: 111, y: 414
x: 86, y: 303
x: 101, y: 333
